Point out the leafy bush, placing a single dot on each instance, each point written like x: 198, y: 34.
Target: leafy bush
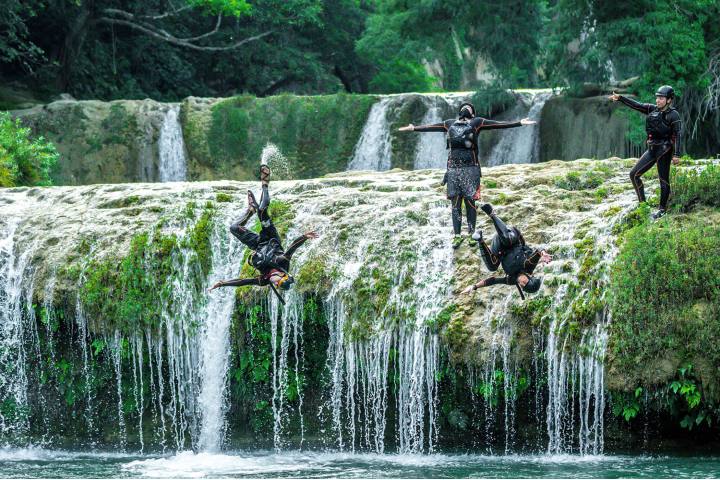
x: 665, y: 294
x: 23, y: 161
x: 690, y: 185
x: 580, y: 180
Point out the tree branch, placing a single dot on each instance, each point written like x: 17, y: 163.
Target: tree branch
x: 128, y: 20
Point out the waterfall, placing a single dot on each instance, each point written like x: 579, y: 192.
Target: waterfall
x: 171, y: 148
x: 431, y: 150
x: 374, y: 149
x: 362, y: 368
x: 16, y: 290
x: 215, y: 339
x: 575, y: 375
x: 521, y: 145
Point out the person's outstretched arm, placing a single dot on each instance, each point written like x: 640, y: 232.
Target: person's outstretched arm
x: 489, y: 282
x: 434, y: 127
x: 480, y: 123
x: 644, y: 108
x: 298, y: 242
x: 238, y: 282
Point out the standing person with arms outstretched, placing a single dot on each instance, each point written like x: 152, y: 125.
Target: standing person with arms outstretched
x: 663, y: 127
x: 268, y: 255
x: 508, y: 249
x: 463, y: 166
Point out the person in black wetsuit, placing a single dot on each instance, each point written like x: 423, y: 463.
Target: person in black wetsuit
x: 508, y: 249
x: 463, y: 167
x: 663, y: 127
x: 268, y: 255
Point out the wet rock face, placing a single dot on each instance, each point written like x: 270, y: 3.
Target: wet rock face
x: 582, y: 128
x: 378, y: 297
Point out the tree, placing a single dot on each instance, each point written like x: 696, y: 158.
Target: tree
x: 24, y: 161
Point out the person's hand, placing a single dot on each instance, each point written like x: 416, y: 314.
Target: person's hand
x: 614, y: 97
x: 312, y: 234
x: 218, y: 284
x: 676, y: 160
x: 469, y: 289
x: 478, y: 193
x: 545, y: 257
x: 527, y: 121
x: 408, y: 128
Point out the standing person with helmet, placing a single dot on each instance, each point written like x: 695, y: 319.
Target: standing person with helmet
x: 663, y: 127
x: 463, y: 167
x: 268, y: 255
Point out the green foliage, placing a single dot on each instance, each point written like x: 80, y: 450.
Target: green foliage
x: 24, y: 161
x: 691, y: 185
x: 665, y: 295
x: 397, y: 76
x: 129, y: 292
x: 453, y: 33
x: 695, y: 410
x: 235, y: 8
x: 627, y: 404
x: 585, y: 180
x: 223, y: 198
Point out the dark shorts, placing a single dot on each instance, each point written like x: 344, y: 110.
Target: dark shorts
x: 463, y: 181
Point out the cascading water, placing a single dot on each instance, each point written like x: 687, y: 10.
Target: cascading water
x: 215, y: 339
x: 171, y: 148
x: 521, y: 145
x: 431, y: 150
x: 374, y: 149
x: 575, y: 375
x: 384, y: 234
x: 14, y: 266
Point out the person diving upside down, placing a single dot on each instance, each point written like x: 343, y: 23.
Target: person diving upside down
x: 508, y: 249
x: 268, y: 255
x: 463, y: 166
x: 663, y: 127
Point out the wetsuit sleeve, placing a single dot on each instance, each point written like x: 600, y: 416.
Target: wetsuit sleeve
x: 635, y: 105
x: 480, y: 123
x: 497, y: 281
x: 532, y: 261
x: 294, y: 246
x: 676, y: 125
x: 241, y: 282
x: 435, y: 127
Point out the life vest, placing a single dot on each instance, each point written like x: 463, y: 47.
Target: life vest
x: 264, y: 257
x: 657, y: 126
x: 461, y: 135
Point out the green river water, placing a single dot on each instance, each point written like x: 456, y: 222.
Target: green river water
x: 43, y: 463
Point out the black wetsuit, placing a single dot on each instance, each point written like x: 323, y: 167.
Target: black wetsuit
x: 509, y: 250
x: 663, y: 130
x: 463, y: 167
x: 267, y: 251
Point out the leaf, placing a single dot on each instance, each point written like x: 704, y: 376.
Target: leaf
x: 638, y: 392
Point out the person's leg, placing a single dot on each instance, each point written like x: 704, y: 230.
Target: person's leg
x: 642, y: 166
x: 238, y: 227
x: 492, y: 261
x: 470, y: 213
x: 456, y: 205
x: 506, y: 237
x: 268, y: 230
x: 663, y: 168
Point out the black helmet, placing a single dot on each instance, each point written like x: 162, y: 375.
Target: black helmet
x: 533, y: 285
x: 467, y: 110
x: 665, y: 91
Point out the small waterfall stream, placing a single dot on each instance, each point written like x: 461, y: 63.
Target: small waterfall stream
x: 171, y: 148
x: 521, y: 145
